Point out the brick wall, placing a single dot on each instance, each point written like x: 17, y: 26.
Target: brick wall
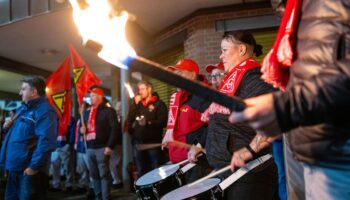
x: 203, y: 42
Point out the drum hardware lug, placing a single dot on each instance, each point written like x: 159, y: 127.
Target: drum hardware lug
x: 155, y: 192
x: 178, y: 179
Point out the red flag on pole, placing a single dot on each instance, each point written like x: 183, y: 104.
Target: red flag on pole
x: 84, y: 78
x: 58, y: 91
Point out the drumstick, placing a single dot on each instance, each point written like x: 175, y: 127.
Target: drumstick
x: 182, y: 162
x: 150, y: 146
x: 222, y: 170
x: 141, y: 148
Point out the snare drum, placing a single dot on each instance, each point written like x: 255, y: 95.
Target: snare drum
x: 207, y: 189
x: 158, y: 182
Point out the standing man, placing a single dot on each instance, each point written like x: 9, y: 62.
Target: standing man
x: 147, y: 118
x: 30, y: 139
x: 101, y: 135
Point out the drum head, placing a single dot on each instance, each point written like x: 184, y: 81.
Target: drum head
x: 157, y: 175
x: 188, y: 191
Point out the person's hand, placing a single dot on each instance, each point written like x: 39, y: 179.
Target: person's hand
x: 239, y: 158
x: 137, y: 99
x: 193, y: 153
x: 259, y: 114
x: 168, y: 137
x: 30, y: 172
x: 108, y: 151
x: 8, y: 124
x: 141, y: 120
x: 83, y: 130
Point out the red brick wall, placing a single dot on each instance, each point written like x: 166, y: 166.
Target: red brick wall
x: 203, y: 42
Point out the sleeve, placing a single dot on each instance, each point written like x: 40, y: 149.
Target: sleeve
x: 114, y: 126
x: 323, y: 97
x: 162, y: 116
x: 46, y: 128
x: 132, y: 115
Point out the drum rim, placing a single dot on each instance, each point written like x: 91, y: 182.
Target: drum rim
x: 159, y: 181
x: 214, y: 186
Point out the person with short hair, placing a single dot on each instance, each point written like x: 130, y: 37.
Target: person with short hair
x: 30, y: 139
x: 147, y: 117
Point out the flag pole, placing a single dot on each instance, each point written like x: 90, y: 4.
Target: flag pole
x: 81, y: 111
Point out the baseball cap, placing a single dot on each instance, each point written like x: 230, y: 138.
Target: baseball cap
x: 98, y: 91
x: 209, y: 68
x: 186, y: 64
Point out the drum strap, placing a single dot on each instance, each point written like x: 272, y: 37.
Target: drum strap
x: 243, y: 170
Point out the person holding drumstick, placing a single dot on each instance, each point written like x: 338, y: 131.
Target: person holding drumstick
x: 184, y: 123
x: 243, y: 79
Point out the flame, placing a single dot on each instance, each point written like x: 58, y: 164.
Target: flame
x: 97, y: 23
x: 129, y: 89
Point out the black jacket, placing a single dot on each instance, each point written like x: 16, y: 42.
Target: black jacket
x: 225, y: 138
x: 316, y: 104
x: 108, y: 129
x: 156, y: 115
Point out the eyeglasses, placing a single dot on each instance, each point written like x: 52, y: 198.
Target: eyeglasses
x: 216, y: 75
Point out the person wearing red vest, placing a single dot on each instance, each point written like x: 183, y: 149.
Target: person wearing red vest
x: 185, y: 126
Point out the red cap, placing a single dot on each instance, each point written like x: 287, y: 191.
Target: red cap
x: 209, y: 68
x: 186, y: 64
x: 98, y: 91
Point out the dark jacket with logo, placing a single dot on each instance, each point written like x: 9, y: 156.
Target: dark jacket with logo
x: 156, y: 114
x: 316, y: 103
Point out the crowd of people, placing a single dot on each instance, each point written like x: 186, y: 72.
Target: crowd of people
x: 311, y: 111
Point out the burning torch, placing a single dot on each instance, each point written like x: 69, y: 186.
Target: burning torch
x: 103, y: 30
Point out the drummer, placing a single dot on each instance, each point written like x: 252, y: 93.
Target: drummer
x: 184, y: 121
x: 242, y: 80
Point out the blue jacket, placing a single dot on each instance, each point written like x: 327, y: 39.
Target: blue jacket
x: 31, y: 139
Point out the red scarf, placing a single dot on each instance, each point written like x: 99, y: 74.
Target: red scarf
x: 176, y: 100
x: 91, y: 125
x: 229, y: 86
x: 275, y: 67
x: 150, y: 100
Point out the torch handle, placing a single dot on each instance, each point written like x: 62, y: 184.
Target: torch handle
x: 159, y: 72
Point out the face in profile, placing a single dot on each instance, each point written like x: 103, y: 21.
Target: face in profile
x: 27, y: 92
x: 230, y: 55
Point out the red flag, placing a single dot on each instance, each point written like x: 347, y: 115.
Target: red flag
x: 58, y: 91
x: 84, y: 78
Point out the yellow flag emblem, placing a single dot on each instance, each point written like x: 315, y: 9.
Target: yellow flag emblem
x: 77, y: 73
x: 59, y: 99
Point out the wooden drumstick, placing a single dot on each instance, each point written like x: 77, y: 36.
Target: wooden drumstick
x: 222, y: 170
x: 147, y: 146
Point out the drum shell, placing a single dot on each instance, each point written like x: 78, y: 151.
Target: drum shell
x: 160, y: 188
